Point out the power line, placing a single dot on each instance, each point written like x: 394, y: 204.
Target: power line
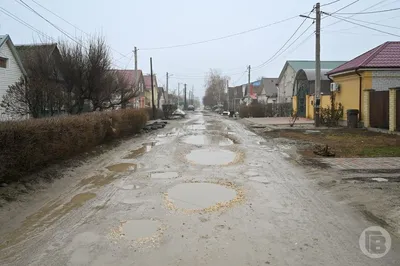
x: 327, y: 4
x: 353, y: 27
x: 290, y: 45
x: 340, y: 9
x: 298, y: 28
x: 76, y: 27
x: 240, y: 77
x: 365, y: 9
x: 370, y: 12
x: 21, y: 2
x: 219, y: 38
x: 11, y: 15
x: 372, y: 23
x: 364, y: 26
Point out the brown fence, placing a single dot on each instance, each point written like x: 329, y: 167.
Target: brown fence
x: 379, y: 109
x: 398, y: 110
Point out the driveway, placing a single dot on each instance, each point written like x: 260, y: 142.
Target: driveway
x: 200, y: 192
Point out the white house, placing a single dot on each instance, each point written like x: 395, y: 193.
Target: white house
x: 286, y: 81
x: 11, y: 68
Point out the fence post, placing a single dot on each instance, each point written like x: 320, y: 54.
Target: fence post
x: 366, y: 112
x: 392, y: 109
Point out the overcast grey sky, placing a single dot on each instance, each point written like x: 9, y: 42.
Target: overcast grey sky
x: 157, y: 23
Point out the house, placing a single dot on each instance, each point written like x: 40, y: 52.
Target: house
x: 369, y: 83
x: 11, y: 68
x: 265, y: 90
x: 235, y: 95
x: 287, y: 77
x: 148, y: 90
x: 135, y: 82
x: 32, y: 54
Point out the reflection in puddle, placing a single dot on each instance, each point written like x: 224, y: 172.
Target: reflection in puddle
x: 211, y: 157
x: 122, y: 167
x: 207, y: 140
x: 165, y: 175
x: 140, y: 151
x: 45, y: 217
x: 198, y: 196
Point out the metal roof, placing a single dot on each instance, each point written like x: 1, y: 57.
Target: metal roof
x: 310, y: 73
x: 386, y: 55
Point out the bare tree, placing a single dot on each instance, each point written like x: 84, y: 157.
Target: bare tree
x: 215, y: 88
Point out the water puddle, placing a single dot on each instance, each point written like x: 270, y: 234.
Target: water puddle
x: 122, y: 167
x: 138, y: 230
x: 197, y: 127
x: 199, y: 196
x: 207, y: 140
x: 97, y: 181
x: 131, y: 187
x: 380, y: 179
x: 140, y: 151
x: 211, y: 157
x: 44, y: 218
x: 164, y: 175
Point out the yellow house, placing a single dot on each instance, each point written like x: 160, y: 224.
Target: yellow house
x: 147, y: 90
x: 364, y: 84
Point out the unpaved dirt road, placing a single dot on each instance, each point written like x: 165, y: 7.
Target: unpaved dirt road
x: 200, y: 192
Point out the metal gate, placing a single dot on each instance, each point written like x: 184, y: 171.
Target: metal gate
x: 379, y: 109
x: 398, y: 110
x: 301, y: 100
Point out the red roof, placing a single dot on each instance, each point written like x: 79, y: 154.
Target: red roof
x: 147, y: 81
x: 386, y: 55
x: 129, y: 75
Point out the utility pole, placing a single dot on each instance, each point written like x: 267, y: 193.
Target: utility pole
x: 179, y: 93
x: 317, y: 64
x: 192, y: 95
x: 185, y: 103
x: 136, y: 73
x: 248, y: 82
x: 167, y: 88
x: 227, y: 94
x: 152, y: 88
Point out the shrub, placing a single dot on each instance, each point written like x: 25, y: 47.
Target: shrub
x: 29, y: 145
x: 330, y: 116
x: 159, y: 113
x: 257, y: 110
x: 243, y: 111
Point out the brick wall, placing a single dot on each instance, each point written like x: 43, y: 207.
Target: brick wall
x: 366, y: 107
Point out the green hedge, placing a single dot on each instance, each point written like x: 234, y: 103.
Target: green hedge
x: 29, y: 145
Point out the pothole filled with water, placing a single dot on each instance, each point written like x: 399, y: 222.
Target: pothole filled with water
x: 207, y: 140
x: 212, y: 157
x: 140, y: 151
x: 137, y: 229
x: 122, y: 167
x: 140, y: 231
x: 202, y: 196
x: 164, y: 175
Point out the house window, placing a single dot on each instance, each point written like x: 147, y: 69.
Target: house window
x: 3, y: 62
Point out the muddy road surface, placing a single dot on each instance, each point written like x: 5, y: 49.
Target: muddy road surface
x: 200, y: 192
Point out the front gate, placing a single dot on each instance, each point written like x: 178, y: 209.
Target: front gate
x: 398, y: 110
x: 379, y: 109
x: 301, y: 100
